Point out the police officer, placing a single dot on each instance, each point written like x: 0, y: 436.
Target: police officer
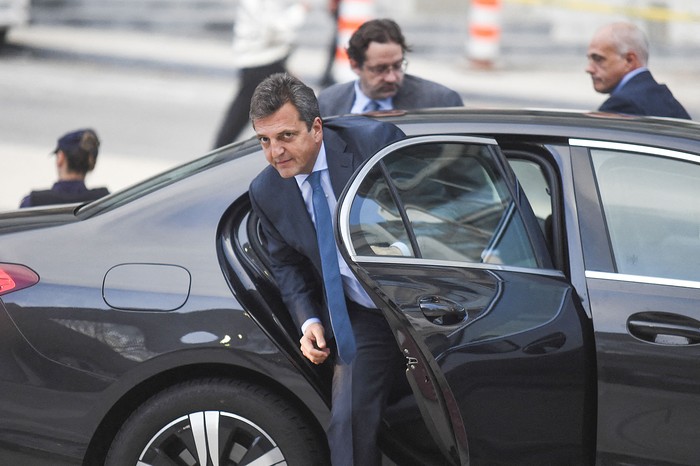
x: 76, y: 154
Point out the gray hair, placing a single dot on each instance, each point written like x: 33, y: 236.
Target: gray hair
x: 629, y: 38
x: 278, y: 89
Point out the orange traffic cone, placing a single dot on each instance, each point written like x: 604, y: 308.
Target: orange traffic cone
x: 352, y: 14
x: 484, y: 42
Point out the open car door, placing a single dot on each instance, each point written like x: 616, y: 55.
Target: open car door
x: 498, y: 350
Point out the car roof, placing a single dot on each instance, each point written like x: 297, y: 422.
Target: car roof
x: 551, y: 124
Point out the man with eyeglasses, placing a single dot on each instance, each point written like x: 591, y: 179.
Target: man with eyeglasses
x: 377, y: 55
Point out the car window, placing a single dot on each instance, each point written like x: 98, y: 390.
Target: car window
x: 652, y: 212
x: 441, y: 200
x: 535, y: 185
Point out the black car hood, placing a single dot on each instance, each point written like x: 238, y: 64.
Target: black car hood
x: 33, y: 218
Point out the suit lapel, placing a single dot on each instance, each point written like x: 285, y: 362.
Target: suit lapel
x: 405, y: 97
x: 340, y: 161
x: 347, y: 98
x: 641, y: 80
x: 297, y: 223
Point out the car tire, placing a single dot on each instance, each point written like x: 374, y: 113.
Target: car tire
x: 251, y: 423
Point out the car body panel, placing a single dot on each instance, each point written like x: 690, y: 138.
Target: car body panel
x: 607, y: 371
x: 71, y: 336
x: 463, y: 325
x: 647, y: 329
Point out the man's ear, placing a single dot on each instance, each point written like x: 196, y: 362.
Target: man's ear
x: 632, y: 61
x: 60, y: 158
x: 317, y: 128
x: 354, y: 66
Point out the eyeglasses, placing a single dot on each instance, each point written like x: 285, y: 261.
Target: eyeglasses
x: 380, y: 70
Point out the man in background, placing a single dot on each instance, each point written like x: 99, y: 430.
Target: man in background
x: 617, y: 63
x: 377, y: 54
x: 264, y: 36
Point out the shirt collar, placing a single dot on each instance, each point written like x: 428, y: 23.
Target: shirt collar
x: 625, y: 79
x: 320, y: 165
x: 361, y: 100
x: 68, y: 183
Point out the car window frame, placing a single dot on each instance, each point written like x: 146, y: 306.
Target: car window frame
x: 542, y: 253
x: 598, y: 250
x: 543, y: 156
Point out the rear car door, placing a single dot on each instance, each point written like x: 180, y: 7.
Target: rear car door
x: 497, y: 346
x: 640, y: 216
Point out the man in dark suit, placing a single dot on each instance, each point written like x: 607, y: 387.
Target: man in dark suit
x: 299, y: 147
x: 617, y: 63
x: 377, y: 55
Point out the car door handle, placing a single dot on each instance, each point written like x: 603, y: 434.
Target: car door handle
x: 664, y: 328
x: 442, y: 311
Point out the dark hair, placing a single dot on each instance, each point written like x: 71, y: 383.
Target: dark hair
x: 375, y: 30
x: 82, y: 156
x: 278, y: 89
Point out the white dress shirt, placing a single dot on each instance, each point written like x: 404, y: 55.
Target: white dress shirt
x: 351, y: 285
x: 361, y: 101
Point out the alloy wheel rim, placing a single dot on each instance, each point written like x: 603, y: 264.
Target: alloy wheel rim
x: 211, y: 438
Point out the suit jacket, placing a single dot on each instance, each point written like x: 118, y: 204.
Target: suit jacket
x: 414, y: 93
x: 642, y: 95
x: 288, y: 229
x: 63, y: 192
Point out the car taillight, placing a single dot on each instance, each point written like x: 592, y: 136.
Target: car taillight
x: 15, y: 277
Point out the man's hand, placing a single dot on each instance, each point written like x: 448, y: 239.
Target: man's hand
x: 313, y: 344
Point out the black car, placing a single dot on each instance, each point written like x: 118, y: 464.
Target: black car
x: 540, y: 270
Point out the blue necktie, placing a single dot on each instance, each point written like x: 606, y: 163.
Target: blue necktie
x: 332, y: 281
x: 372, y: 106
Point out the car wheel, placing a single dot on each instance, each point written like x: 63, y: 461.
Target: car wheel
x: 217, y: 422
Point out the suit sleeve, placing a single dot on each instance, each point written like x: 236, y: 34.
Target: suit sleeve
x: 293, y: 272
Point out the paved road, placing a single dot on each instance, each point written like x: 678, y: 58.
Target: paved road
x: 156, y: 101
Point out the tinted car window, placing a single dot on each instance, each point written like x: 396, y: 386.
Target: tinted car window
x: 652, y: 212
x: 443, y: 201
